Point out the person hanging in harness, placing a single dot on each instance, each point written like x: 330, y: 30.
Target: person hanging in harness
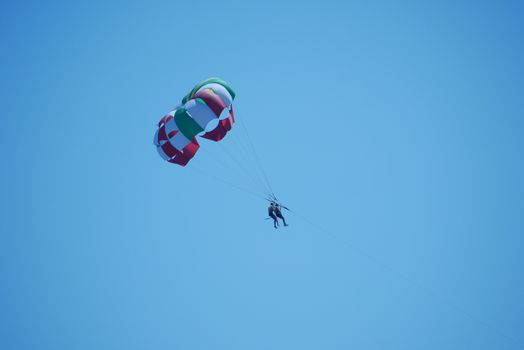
x: 271, y: 212
x: 278, y: 213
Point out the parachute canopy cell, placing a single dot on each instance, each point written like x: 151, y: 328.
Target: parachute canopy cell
x: 175, y: 138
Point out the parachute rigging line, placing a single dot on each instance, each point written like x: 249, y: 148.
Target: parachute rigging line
x: 229, y: 183
x: 259, y: 163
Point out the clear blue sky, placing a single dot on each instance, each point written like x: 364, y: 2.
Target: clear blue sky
x: 393, y: 129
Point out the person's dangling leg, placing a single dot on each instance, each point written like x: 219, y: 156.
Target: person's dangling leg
x: 275, y: 221
x: 282, y: 217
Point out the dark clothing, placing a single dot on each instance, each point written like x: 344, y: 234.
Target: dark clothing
x: 279, y: 215
x: 275, y: 221
x: 271, y: 213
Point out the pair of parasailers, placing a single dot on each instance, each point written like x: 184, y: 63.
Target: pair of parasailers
x: 275, y: 211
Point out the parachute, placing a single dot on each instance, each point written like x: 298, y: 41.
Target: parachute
x: 210, y: 100
x: 207, y: 112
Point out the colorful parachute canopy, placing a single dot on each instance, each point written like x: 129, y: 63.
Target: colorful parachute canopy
x: 175, y: 137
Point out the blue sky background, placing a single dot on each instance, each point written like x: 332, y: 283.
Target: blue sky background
x: 392, y: 129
